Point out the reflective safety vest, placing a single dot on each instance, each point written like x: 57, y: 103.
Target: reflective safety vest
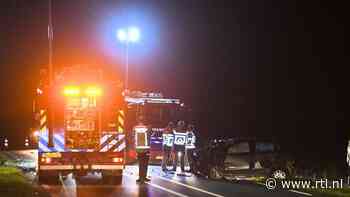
x: 191, y: 140
x: 168, y: 139
x: 180, y: 138
x: 141, y: 137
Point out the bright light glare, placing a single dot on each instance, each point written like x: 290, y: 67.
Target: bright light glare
x: 48, y: 160
x: 117, y: 159
x: 131, y: 34
x: 122, y: 35
x: 39, y: 91
x: 159, y: 157
x: 36, y: 133
x: 93, y: 91
x: 71, y: 91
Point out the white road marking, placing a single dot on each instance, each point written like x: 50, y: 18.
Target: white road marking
x: 167, y: 190
x: 191, y: 187
x: 160, y: 187
x: 263, y: 184
x: 299, y: 192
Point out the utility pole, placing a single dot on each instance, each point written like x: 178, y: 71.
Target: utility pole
x: 50, y: 37
x: 50, y: 105
x: 127, y: 65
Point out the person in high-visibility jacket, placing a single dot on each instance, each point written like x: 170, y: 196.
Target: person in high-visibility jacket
x: 168, y: 141
x: 142, y: 149
x: 179, y: 145
x: 190, y: 145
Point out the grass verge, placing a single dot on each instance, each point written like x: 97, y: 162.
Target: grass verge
x: 13, y: 183
x: 2, y: 159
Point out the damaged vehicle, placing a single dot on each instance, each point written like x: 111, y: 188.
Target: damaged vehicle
x: 239, y: 159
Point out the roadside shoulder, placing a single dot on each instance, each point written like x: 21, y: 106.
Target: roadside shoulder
x: 14, y: 183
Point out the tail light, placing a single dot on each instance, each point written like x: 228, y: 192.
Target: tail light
x: 46, y: 160
x: 159, y: 157
x: 117, y: 160
x: 132, y: 153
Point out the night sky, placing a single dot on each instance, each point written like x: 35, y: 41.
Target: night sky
x: 272, y: 69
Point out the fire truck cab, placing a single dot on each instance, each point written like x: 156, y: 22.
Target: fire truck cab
x: 157, y: 111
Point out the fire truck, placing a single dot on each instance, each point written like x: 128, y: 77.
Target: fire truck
x: 157, y: 111
x: 85, y: 124
x: 79, y: 119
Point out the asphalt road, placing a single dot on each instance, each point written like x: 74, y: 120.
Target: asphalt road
x: 161, y: 185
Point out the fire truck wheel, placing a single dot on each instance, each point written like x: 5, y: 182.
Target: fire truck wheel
x: 117, y: 180
x: 113, y: 179
x: 45, y: 178
x: 42, y: 179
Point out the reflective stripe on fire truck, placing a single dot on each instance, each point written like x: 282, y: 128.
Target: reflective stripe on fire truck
x: 72, y: 167
x: 58, y: 141
x: 42, y: 146
x: 58, y: 138
x: 112, y: 142
x: 121, y: 118
x: 43, y: 119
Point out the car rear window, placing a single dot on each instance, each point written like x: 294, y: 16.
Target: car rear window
x: 242, y: 147
x: 264, y: 147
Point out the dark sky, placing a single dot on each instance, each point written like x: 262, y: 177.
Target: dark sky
x: 248, y: 68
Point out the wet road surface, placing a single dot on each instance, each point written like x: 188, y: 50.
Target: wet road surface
x: 161, y: 184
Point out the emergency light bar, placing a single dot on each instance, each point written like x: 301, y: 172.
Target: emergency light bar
x: 151, y: 100
x: 139, y: 94
x: 71, y: 91
x: 93, y: 91
x: 75, y: 91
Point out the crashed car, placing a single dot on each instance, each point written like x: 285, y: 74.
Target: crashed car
x: 235, y: 159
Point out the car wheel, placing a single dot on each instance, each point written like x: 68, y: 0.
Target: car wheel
x: 279, y: 174
x: 42, y: 179
x: 215, y: 173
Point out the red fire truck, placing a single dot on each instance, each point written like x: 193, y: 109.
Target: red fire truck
x: 85, y: 123
x: 80, y: 120
x: 157, y: 111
